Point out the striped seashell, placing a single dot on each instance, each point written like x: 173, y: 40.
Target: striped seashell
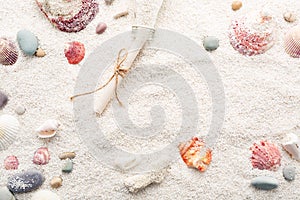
x: 11, y: 162
x: 41, y: 156
x: 48, y: 129
x: 9, y: 128
x: 8, y: 52
x: 292, y: 42
x: 252, y: 37
x: 265, y: 155
x: 69, y: 15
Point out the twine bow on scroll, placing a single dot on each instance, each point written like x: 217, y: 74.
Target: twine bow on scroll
x: 118, y: 71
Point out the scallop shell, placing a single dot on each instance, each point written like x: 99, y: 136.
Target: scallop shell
x: 252, y: 37
x: 9, y: 128
x: 8, y: 52
x: 41, y: 156
x: 48, y: 129
x: 292, y: 146
x: 74, y: 52
x: 3, y: 100
x: 292, y: 42
x: 69, y: 15
x: 265, y: 155
x: 11, y: 162
x: 194, y: 154
x: 45, y: 195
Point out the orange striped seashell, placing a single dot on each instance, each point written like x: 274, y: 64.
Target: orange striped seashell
x: 195, y: 154
x: 292, y: 42
x: 8, y: 52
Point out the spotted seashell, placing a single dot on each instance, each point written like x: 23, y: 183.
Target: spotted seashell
x: 292, y: 42
x: 69, y: 15
x: 9, y: 128
x: 48, y: 129
x: 195, y: 154
x: 41, y: 156
x: 8, y: 52
x: 11, y: 162
x: 3, y: 100
x: 251, y: 36
x: 45, y: 195
x: 74, y: 52
x: 265, y: 155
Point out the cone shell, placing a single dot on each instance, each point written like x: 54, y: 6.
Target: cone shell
x: 48, y: 129
x: 8, y: 52
x: 41, y: 156
x: 11, y: 163
x: 74, y: 52
x: 292, y: 42
x: 265, y: 155
x: 194, y: 154
x: 9, y: 128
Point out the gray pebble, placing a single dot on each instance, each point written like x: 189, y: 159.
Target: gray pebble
x: 67, y: 166
x: 211, y: 43
x: 5, y: 194
x: 289, y: 173
x: 27, y: 41
x: 20, y: 110
x: 264, y: 183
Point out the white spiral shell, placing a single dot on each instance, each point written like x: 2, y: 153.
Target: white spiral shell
x: 9, y: 128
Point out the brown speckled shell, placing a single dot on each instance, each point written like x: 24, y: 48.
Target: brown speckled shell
x: 8, y: 52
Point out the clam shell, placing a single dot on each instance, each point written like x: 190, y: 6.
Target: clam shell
x: 8, y: 52
x: 292, y: 146
x: 48, y: 129
x: 69, y: 16
x: 11, y: 162
x: 41, y: 156
x: 45, y: 195
x: 292, y: 42
x: 265, y: 155
x: 9, y: 128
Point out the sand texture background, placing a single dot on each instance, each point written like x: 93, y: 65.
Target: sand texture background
x: 262, y: 102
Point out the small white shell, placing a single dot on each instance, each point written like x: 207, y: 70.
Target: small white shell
x: 45, y: 195
x: 292, y: 146
x: 48, y: 128
x: 9, y: 128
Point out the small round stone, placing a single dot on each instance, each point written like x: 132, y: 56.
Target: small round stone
x: 56, y: 182
x: 289, y: 173
x: 264, y: 183
x: 236, y: 5
x: 101, y: 27
x: 40, y: 52
x: 27, y: 41
x: 289, y: 17
x: 211, y: 43
x: 20, y: 110
x: 67, y: 166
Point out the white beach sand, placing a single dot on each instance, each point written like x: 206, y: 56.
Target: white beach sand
x: 262, y: 102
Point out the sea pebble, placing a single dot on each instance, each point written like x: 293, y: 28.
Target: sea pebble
x: 11, y: 163
x: 5, y: 194
x: 121, y: 14
x: 67, y: 166
x: 292, y: 42
x: 40, y: 52
x: 26, y: 181
x: 45, y: 195
x: 20, y: 110
x: 236, y: 5
x: 289, y: 17
x: 211, y: 43
x: 48, y: 129
x: 74, y: 52
x: 3, y: 100
x: 8, y: 52
x: 101, y: 27
x: 108, y: 2
x: 41, y: 156
x: 28, y: 42
x: 289, y: 173
x: 264, y: 183
x: 56, y: 182
x: 66, y: 155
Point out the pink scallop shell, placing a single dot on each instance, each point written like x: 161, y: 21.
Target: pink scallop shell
x: 292, y: 42
x: 11, y: 163
x: 76, y: 19
x: 250, y: 37
x: 8, y: 52
x: 265, y: 155
x: 41, y: 156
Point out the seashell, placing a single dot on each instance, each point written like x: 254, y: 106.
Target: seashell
x: 41, y: 156
x: 292, y: 146
x: 192, y: 153
x: 5, y: 194
x: 66, y: 155
x: 101, y: 27
x: 74, y: 52
x: 250, y: 36
x: 289, y: 17
x: 9, y: 128
x: 292, y: 42
x: 26, y: 181
x: 121, y: 14
x: 265, y: 155
x: 45, y: 195
x: 69, y: 15
x: 3, y: 100
x: 8, y: 52
x: 56, y: 182
x: 48, y: 129
x: 11, y: 162
x: 27, y: 41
